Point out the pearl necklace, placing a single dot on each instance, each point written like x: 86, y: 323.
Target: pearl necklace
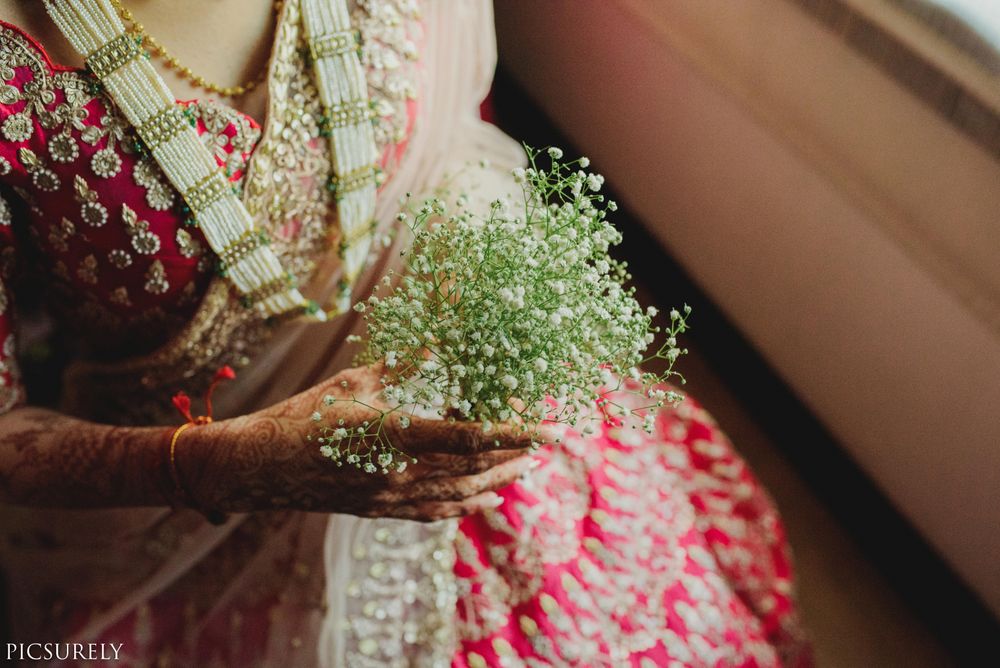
x: 117, y: 60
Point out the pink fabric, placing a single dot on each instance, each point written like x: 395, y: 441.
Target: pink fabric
x: 632, y: 549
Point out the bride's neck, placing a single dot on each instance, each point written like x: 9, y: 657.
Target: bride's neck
x: 225, y: 41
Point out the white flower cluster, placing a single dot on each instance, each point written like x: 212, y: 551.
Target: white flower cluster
x: 519, y: 315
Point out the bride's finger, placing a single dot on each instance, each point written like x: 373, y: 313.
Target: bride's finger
x: 464, y: 487
x: 430, y: 511
x: 460, y: 438
x: 437, y: 464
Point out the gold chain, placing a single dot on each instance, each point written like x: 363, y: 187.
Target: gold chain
x: 157, y: 49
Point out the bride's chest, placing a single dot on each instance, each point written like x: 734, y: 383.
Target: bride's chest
x: 114, y: 237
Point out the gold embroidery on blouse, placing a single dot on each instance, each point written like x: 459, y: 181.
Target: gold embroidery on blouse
x: 159, y: 194
x: 156, y: 279
x: 120, y: 296
x: 233, y: 150
x: 6, y: 217
x: 42, y: 177
x: 120, y: 259
x: 187, y: 245
x: 63, y: 148
x: 92, y: 212
x: 59, y: 235
x: 87, y: 271
x: 144, y: 241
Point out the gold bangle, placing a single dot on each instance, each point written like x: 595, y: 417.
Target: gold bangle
x: 180, y: 491
x: 174, y: 475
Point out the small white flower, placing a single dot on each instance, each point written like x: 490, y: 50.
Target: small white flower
x: 326, y: 451
x: 316, y: 416
x: 585, y: 162
x: 555, y: 152
x: 509, y: 382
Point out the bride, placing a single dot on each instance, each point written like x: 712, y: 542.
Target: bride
x: 154, y: 237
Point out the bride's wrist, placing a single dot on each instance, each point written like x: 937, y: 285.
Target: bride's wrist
x: 176, y: 468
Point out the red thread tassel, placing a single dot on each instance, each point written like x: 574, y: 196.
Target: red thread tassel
x: 225, y: 373
x: 183, y: 402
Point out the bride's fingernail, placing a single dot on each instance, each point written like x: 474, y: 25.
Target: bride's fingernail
x: 535, y: 463
x: 495, y: 501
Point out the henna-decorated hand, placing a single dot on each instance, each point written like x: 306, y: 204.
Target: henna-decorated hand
x: 263, y: 461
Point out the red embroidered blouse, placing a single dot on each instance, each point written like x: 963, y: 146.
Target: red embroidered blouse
x: 86, y: 214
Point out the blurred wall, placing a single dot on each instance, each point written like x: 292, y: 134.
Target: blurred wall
x: 849, y: 231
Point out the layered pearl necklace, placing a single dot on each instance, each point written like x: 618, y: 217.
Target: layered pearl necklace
x: 116, y: 58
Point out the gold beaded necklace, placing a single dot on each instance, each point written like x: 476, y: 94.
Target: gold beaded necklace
x: 157, y: 49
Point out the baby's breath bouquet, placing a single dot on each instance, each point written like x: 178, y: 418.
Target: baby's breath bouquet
x: 517, y: 315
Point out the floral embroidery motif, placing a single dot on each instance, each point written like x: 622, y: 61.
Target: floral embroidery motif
x: 41, y: 176
x: 92, y: 212
x: 119, y: 259
x: 6, y: 217
x: 59, y: 234
x: 159, y: 195
x: 106, y: 163
x: 120, y: 296
x: 156, y: 279
x: 187, y: 245
x: 389, y: 33
x: 87, y: 271
x: 230, y: 136
x: 17, y: 127
x: 63, y: 148
x: 143, y: 241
